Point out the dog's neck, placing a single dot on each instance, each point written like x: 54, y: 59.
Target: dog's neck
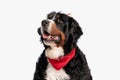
x: 57, y: 58
x: 54, y: 52
x: 62, y: 61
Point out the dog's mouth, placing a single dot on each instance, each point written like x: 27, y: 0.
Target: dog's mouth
x: 49, y: 37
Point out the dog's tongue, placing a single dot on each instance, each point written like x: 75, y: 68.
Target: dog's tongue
x: 50, y: 37
x: 45, y: 36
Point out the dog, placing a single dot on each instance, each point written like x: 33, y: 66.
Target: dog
x: 61, y: 59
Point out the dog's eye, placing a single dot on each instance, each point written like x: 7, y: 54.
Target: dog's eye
x: 59, y: 21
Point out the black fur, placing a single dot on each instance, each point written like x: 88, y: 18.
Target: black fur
x: 77, y: 68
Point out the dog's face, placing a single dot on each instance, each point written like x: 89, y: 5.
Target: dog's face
x: 59, y: 29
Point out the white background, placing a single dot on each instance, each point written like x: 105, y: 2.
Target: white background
x: 19, y: 40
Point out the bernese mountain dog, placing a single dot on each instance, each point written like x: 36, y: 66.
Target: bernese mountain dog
x: 61, y: 59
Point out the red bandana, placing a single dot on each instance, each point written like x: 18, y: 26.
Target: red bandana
x: 62, y: 62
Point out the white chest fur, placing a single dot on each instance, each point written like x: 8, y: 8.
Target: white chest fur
x: 53, y: 74
x: 54, y: 52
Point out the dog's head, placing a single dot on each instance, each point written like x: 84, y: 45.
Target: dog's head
x: 59, y: 29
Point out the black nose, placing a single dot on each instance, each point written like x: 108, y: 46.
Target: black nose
x: 45, y: 23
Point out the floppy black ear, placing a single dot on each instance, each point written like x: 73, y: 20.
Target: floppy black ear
x: 73, y: 32
x: 76, y: 31
x: 39, y: 31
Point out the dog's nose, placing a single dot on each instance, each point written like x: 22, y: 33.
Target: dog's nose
x: 45, y: 23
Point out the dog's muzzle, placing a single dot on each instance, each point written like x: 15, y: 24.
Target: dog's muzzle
x: 47, y: 36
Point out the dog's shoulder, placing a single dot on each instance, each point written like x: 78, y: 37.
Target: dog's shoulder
x: 78, y: 66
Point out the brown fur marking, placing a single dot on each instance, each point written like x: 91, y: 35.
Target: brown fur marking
x: 56, y: 31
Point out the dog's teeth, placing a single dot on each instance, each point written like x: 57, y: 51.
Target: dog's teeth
x: 50, y: 37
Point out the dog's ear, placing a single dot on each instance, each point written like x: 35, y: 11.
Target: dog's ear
x: 76, y: 31
x: 39, y: 31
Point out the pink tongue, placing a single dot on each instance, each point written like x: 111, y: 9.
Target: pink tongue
x: 45, y: 36
x: 50, y: 37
